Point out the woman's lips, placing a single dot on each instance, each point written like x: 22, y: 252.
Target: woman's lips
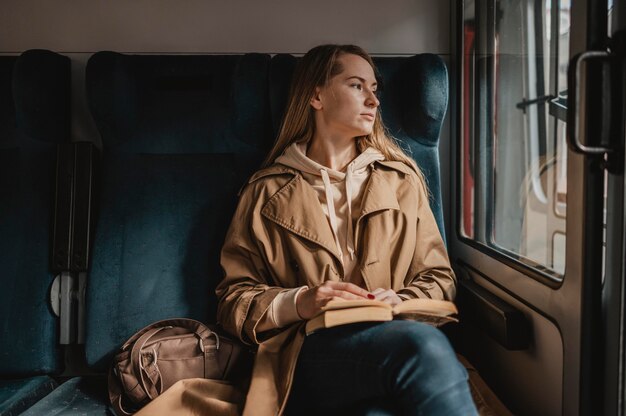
x: 370, y: 117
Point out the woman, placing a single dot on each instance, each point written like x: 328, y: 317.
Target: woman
x: 338, y: 211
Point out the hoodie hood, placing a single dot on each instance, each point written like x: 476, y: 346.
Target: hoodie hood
x: 338, y: 192
x: 295, y: 157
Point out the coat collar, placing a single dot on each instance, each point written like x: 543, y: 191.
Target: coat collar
x: 275, y: 169
x: 296, y: 206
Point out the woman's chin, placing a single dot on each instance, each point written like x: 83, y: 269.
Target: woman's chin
x: 362, y: 132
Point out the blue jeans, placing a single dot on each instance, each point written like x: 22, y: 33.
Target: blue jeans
x: 387, y: 368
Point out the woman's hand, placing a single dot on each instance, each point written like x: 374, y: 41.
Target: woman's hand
x: 387, y: 295
x: 310, y: 301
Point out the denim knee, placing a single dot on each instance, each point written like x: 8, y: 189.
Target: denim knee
x: 426, y: 376
x: 426, y: 359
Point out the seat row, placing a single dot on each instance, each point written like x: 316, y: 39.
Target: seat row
x: 97, y: 242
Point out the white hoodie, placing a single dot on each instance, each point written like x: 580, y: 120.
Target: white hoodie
x: 340, y: 195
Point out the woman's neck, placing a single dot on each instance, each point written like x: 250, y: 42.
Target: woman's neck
x: 333, y: 153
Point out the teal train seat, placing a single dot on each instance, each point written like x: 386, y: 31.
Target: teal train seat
x: 180, y: 136
x: 34, y: 121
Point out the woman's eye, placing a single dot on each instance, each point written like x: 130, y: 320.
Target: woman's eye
x: 357, y: 86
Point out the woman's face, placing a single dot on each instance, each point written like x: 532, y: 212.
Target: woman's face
x: 347, y: 105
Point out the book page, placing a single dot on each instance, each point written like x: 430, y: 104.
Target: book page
x: 429, y: 306
x: 434, y: 320
x: 340, y: 312
x: 340, y: 303
x: 331, y: 318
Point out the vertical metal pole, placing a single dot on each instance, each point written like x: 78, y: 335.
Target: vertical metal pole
x: 67, y: 325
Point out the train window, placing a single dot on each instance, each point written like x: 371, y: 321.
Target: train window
x: 513, y: 156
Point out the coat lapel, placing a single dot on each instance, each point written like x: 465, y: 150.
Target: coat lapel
x: 296, y: 207
x: 378, y: 197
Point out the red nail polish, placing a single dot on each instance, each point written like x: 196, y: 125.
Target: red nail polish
x: 370, y: 296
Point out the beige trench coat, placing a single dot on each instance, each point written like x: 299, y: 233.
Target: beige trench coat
x: 280, y: 238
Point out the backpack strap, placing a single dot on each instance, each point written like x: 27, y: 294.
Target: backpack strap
x: 155, y: 387
x: 115, y: 395
x: 210, y: 350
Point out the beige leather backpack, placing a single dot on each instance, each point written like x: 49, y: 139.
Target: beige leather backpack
x: 167, y: 351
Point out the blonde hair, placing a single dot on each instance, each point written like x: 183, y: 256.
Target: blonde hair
x: 316, y: 68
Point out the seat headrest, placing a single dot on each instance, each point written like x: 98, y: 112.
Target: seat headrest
x: 7, y: 108
x: 414, y: 97
x: 180, y: 103
x: 41, y: 89
x: 281, y: 71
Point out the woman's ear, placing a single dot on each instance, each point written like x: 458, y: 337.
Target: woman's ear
x: 316, y: 100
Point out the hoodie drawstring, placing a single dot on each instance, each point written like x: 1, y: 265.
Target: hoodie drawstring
x: 350, y: 236
x: 330, y: 202
x: 332, y: 214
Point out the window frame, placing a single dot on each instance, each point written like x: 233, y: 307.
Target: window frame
x: 526, y: 266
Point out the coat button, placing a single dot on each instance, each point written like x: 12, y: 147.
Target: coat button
x: 294, y: 265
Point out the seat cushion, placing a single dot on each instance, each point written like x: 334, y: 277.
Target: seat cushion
x: 180, y: 137
x: 77, y: 396
x: 156, y: 250
x: 18, y: 395
x: 34, y: 119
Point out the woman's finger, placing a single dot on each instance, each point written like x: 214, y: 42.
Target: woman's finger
x: 387, y: 299
x: 352, y: 288
x: 392, y: 299
x: 384, y: 294
x: 346, y: 295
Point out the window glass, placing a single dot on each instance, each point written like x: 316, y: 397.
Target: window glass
x: 513, y: 150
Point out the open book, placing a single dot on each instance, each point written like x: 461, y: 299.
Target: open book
x: 339, y: 312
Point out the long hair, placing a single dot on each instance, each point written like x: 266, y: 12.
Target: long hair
x: 316, y: 68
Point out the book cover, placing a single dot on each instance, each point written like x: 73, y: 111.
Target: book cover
x: 340, y: 312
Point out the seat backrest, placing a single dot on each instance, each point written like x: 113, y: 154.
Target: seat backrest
x: 180, y: 135
x: 34, y: 119
x: 414, y: 100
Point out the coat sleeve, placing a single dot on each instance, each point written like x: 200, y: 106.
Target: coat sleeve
x: 430, y: 274
x: 247, y: 290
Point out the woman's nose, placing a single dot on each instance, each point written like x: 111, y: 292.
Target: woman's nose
x: 372, y: 100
